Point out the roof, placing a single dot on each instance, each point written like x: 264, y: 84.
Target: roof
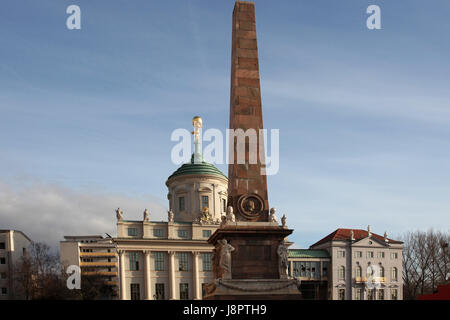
x: 344, y: 234
x: 308, y: 253
x: 8, y: 230
x: 192, y: 168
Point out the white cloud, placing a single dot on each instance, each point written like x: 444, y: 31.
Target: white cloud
x: 47, y: 212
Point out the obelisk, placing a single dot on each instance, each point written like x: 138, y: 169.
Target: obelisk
x: 247, y: 185
x: 250, y: 256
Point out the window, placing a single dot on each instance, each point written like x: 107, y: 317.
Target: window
x: 298, y: 266
x: 159, y: 261
x: 369, y: 271
x: 206, y: 260
x: 341, y: 273
x: 183, y: 261
x: 204, y: 289
x: 184, y: 291
x: 358, y: 272
x: 182, y: 234
x: 159, y: 291
x: 205, y: 202
x: 341, y: 294
x: 394, y: 255
x: 158, y: 233
x: 2, y: 245
x: 325, y: 268
x: 224, y: 205
x: 2, y: 261
x: 380, y: 294
x: 358, y: 254
x: 381, y: 270
x: 4, y: 291
x: 135, y: 292
x: 370, y: 294
x: 206, y: 233
x: 132, y: 232
x: 358, y: 294
x: 3, y: 275
x: 134, y: 261
x: 181, y: 204
x: 381, y: 255
x: 315, y: 270
x: 394, y: 294
x: 394, y: 274
x: 369, y: 254
x: 341, y: 253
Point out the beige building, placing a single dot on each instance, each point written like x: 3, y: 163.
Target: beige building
x: 14, y: 245
x: 95, y: 255
x: 364, y: 265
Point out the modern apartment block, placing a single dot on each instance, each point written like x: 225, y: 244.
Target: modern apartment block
x: 364, y: 265
x: 95, y: 255
x: 14, y: 245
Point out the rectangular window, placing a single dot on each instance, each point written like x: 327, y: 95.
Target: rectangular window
x: 325, y: 269
x: 2, y: 245
x: 184, y: 291
x: 4, y: 291
x: 358, y: 254
x: 181, y: 204
x: 206, y: 233
x: 380, y: 294
x: 132, y: 232
x: 159, y: 261
x: 341, y: 273
x: 224, y: 205
x: 158, y: 233
x: 341, y: 294
x: 206, y: 260
x: 135, y: 291
x: 358, y: 272
x: 381, y: 255
x: 394, y: 294
x: 159, y: 291
x: 204, y: 289
x: 369, y: 254
x: 205, y: 202
x: 358, y: 294
x: 183, y: 234
x: 341, y: 253
x: 2, y: 261
x: 183, y: 261
x: 297, y: 268
x: 394, y: 255
x: 134, y: 261
x: 370, y: 294
x: 3, y: 275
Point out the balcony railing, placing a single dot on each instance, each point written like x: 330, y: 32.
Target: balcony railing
x: 366, y: 279
x: 97, y: 254
x: 99, y: 273
x: 98, y: 264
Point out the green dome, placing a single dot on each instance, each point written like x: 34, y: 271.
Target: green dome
x: 197, y: 168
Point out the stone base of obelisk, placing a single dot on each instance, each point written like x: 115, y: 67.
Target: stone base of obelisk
x: 255, y: 272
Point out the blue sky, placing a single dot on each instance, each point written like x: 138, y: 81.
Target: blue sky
x: 86, y: 115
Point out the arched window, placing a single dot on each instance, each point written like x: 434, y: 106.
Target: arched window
x: 394, y: 275
x: 341, y: 273
x: 381, y: 268
x: 358, y: 272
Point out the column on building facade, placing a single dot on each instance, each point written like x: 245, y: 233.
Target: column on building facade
x: 172, y: 295
x: 123, y: 293
x: 291, y: 268
x: 195, y: 275
x: 147, y: 276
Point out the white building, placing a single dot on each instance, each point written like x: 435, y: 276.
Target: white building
x: 364, y: 265
x: 14, y: 245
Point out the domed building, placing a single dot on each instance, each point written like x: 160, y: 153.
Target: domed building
x: 197, y: 192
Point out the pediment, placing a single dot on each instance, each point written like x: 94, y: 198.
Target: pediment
x: 370, y: 242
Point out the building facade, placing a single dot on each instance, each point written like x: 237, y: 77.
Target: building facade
x: 95, y: 255
x: 14, y: 245
x: 364, y: 265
